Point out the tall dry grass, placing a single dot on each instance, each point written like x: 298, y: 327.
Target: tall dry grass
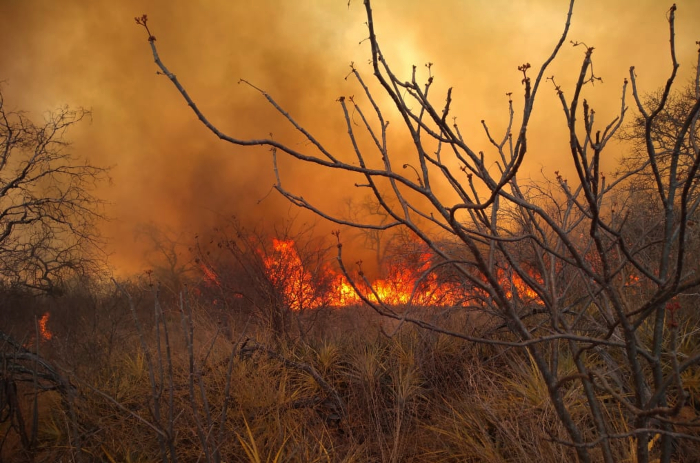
x: 187, y: 385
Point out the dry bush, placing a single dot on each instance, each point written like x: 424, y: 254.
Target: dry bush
x: 405, y: 394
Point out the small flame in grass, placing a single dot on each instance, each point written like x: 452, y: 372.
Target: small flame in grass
x: 44, y: 331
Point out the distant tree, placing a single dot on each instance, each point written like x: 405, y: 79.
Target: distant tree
x: 377, y: 240
x: 668, y: 130
x: 167, y: 255
x: 48, y: 213
x: 279, y: 283
x: 596, y: 302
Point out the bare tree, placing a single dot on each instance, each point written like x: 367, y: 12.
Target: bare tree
x: 564, y: 267
x: 47, y: 210
x: 374, y: 239
x: 664, y: 134
x: 279, y: 283
x: 167, y: 255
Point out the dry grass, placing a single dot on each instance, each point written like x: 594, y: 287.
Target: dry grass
x: 412, y: 397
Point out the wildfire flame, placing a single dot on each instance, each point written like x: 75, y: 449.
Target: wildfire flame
x: 285, y: 269
x: 406, y: 283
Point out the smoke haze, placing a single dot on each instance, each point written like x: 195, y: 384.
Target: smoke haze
x: 168, y: 169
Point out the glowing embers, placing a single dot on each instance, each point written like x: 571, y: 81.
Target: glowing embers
x: 632, y: 281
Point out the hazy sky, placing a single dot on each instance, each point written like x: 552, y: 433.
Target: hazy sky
x: 167, y: 168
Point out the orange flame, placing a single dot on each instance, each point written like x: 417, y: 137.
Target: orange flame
x: 285, y: 269
x: 406, y: 283
x: 515, y: 285
x: 413, y: 284
x: 210, y: 276
x: 342, y: 293
x: 44, y: 331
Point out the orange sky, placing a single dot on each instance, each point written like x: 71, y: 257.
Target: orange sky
x: 168, y: 169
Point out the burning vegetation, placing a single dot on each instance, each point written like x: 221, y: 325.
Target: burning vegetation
x: 44, y: 331
x: 413, y: 276
x: 572, y: 297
